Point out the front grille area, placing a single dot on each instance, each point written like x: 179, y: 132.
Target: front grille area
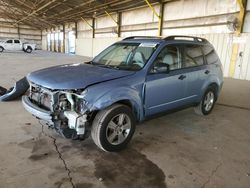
x: 41, y: 97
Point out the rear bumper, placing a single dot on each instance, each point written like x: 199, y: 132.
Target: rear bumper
x: 36, y: 111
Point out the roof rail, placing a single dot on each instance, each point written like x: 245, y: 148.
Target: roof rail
x: 142, y: 37
x: 182, y: 37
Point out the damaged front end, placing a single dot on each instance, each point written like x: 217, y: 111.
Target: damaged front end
x: 63, y: 110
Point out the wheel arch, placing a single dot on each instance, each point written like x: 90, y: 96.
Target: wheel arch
x: 212, y: 82
x: 131, y: 105
x: 126, y: 102
x: 126, y: 96
x: 216, y: 87
x: 26, y: 47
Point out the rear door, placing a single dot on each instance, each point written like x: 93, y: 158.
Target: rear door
x: 196, y: 71
x: 17, y: 45
x: 164, y: 91
x: 212, y: 61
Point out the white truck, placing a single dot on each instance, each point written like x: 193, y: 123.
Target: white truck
x: 17, y: 45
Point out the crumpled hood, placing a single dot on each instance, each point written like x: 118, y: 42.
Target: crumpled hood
x: 74, y: 76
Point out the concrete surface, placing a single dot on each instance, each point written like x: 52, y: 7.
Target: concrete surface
x: 176, y: 150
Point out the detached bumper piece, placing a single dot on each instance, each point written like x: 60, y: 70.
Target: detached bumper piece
x: 17, y: 91
x: 36, y: 111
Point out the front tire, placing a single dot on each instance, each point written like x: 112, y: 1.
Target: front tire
x: 1, y: 49
x: 206, y: 105
x: 113, y: 128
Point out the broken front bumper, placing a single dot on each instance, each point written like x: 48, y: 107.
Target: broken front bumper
x: 18, y: 90
x: 37, y: 111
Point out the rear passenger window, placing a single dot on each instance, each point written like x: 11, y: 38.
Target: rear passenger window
x: 210, y: 54
x: 9, y: 41
x: 16, y: 41
x: 193, y: 56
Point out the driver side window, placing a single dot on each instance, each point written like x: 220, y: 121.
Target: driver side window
x: 168, y: 57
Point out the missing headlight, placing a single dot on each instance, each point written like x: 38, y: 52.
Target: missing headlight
x: 81, y: 106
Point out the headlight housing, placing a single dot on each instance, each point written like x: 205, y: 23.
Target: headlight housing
x: 81, y: 106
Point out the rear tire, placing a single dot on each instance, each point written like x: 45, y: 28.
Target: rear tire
x: 1, y: 49
x: 206, y: 105
x: 28, y: 50
x: 113, y: 128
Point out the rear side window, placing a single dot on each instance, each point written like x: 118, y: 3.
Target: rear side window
x: 9, y: 41
x: 16, y: 41
x: 193, y: 56
x: 210, y: 54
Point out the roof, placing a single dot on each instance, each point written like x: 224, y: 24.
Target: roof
x: 173, y: 38
x: 51, y: 13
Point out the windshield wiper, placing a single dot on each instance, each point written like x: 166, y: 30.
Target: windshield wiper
x: 127, y: 68
x: 107, y: 66
x: 89, y: 62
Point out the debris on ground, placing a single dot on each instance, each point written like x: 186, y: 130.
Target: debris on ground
x: 15, y: 92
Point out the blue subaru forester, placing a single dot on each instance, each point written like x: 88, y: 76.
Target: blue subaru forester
x: 128, y: 82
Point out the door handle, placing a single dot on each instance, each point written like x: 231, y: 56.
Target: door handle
x: 182, y: 77
x: 207, y: 72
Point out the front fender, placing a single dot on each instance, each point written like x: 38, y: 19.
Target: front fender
x: 119, y: 94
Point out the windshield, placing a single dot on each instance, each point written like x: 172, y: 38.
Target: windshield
x: 125, y: 56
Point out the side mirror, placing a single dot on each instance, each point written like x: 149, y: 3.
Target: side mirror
x: 162, y: 68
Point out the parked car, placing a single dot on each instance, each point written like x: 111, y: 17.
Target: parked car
x: 17, y: 45
x: 128, y: 82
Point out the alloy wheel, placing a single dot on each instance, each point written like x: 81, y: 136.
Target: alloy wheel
x: 118, y: 129
x: 209, y: 101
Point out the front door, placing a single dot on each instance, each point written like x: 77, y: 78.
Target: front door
x: 165, y: 90
x: 8, y: 45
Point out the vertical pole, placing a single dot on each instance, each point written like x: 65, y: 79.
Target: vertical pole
x: 47, y: 43
x: 41, y: 37
x: 159, y: 16
x: 64, y: 42
x: 18, y: 31
x: 242, y: 4
x: 161, y: 19
x: 234, y: 57
x: 50, y: 33
x: 119, y: 20
x: 93, y: 30
x: 54, y: 33
x: 76, y: 30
